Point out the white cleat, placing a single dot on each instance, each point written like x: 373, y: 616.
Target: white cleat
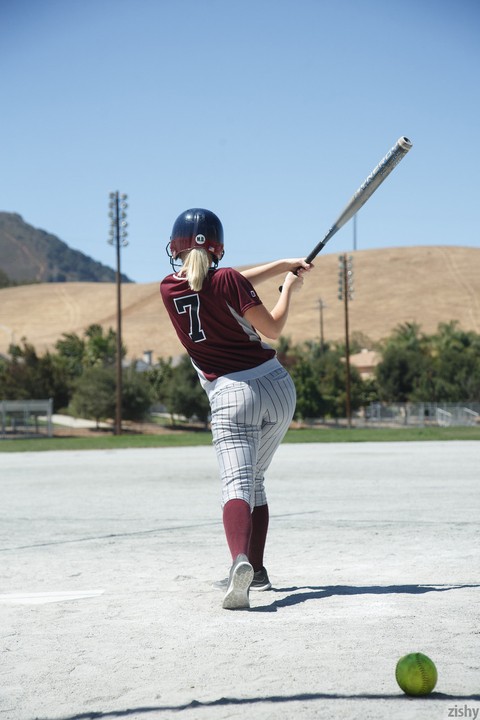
x: 260, y: 581
x: 239, y: 581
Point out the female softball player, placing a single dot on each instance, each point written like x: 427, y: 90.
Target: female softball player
x: 216, y: 314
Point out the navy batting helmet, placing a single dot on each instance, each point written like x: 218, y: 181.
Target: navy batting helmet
x: 197, y: 228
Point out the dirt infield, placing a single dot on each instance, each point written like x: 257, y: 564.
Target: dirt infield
x: 107, y: 608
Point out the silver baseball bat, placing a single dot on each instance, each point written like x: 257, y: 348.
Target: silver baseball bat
x: 366, y: 190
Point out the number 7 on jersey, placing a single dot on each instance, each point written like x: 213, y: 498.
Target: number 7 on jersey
x: 191, y: 304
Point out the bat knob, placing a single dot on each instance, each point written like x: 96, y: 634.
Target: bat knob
x: 405, y: 143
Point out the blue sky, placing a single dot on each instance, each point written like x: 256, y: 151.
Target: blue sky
x: 271, y: 113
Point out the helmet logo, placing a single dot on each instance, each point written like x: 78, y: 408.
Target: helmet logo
x: 200, y: 239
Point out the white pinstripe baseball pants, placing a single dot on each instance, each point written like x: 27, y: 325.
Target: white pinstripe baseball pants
x: 249, y: 421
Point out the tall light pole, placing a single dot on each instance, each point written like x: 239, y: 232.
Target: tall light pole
x: 118, y: 237
x: 345, y: 293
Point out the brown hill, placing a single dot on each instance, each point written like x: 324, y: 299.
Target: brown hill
x: 28, y: 254
x: 426, y: 285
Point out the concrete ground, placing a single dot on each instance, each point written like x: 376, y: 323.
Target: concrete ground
x: 107, y: 608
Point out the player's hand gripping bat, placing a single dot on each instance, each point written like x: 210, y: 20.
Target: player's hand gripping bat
x: 366, y: 189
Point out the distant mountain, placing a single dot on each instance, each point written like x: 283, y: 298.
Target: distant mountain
x: 28, y: 254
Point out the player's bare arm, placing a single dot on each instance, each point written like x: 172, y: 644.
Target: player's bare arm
x: 272, y: 323
x: 260, y: 273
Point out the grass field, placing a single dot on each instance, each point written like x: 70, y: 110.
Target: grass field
x: 184, y: 439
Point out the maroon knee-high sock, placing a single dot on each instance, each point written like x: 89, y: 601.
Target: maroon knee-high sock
x: 237, y: 521
x: 258, y: 537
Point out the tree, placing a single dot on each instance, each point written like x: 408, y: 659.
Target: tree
x: 94, y: 395
x: 398, y: 374
x: 404, y: 363
x: 455, y: 357
x: 100, y: 348
x: 71, y: 348
x: 444, y: 367
x: 160, y: 378
x: 369, y: 391
x: 95, y: 349
x: 310, y: 401
x: 320, y: 380
x: 185, y: 395
x: 136, y: 395
x: 334, y: 383
x: 26, y: 376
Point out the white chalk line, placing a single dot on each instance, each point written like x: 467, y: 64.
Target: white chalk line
x: 41, y: 598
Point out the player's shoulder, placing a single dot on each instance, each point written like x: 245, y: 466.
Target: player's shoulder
x: 227, y: 274
x: 172, y: 283
x: 223, y: 271
x: 167, y: 280
x: 232, y: 284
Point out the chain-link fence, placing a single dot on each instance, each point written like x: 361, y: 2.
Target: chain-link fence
x: 421, y: 414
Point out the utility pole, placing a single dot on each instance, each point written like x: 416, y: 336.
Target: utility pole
x: 118, y: 235
x: 321, y: 307
x: 345, y: 293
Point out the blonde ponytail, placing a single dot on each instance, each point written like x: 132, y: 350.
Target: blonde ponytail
x: 195, y: 267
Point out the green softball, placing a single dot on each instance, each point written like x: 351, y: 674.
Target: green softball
x: 416, y: 674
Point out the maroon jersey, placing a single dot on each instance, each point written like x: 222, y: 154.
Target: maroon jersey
x: 210, y: 323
